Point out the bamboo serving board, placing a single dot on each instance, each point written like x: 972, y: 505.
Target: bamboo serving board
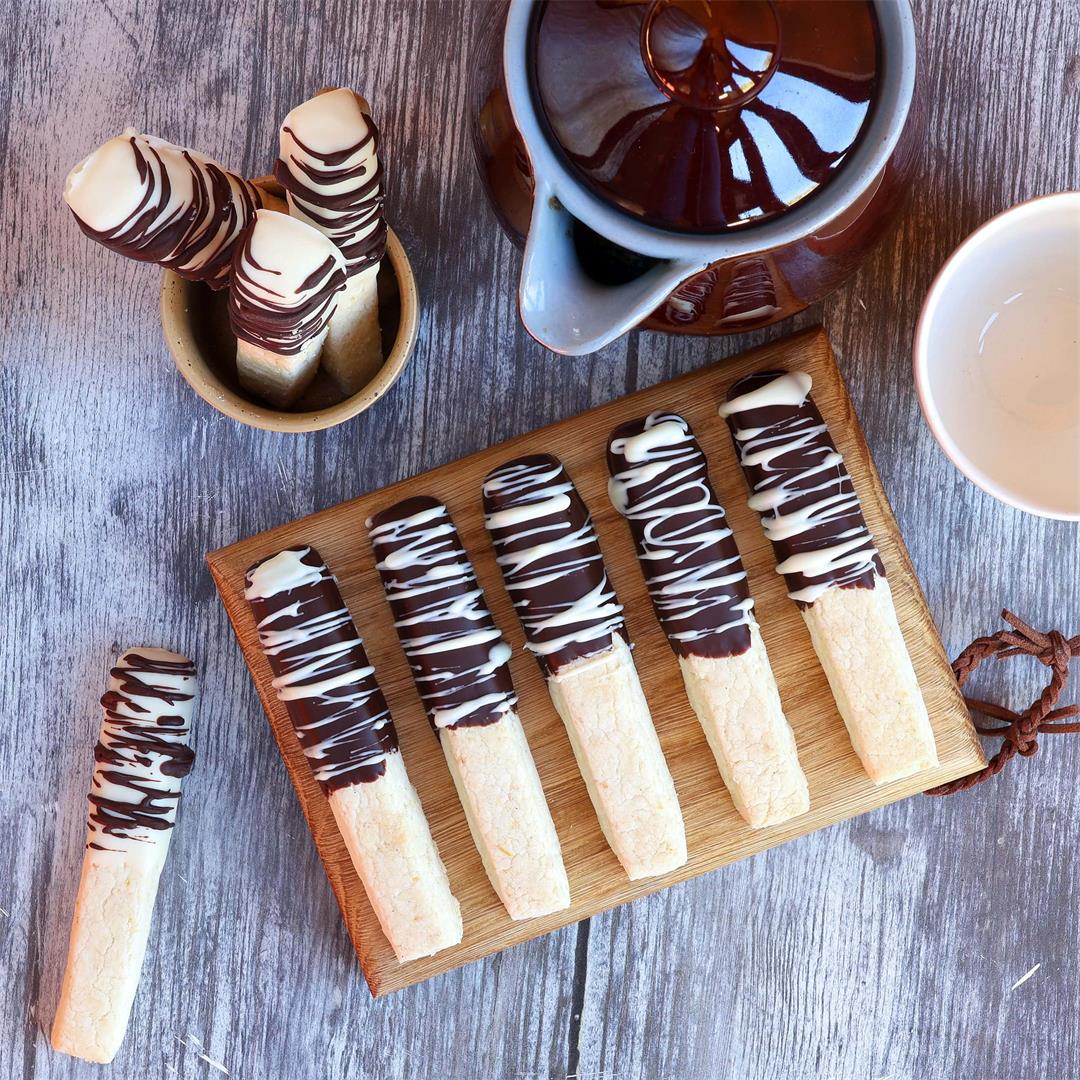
x: 716, y: 835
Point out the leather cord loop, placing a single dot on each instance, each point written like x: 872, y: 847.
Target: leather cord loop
x: 1019, y: 731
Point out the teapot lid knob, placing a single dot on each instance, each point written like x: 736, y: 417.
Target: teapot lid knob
x: 710, y: 55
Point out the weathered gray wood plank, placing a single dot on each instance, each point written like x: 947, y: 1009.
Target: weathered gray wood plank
x: 885, y: 947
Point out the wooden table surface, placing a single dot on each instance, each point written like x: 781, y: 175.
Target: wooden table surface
x: 885, y: 947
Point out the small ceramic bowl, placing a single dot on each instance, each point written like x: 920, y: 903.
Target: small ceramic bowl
x: 195, y: 321
x: 997, y: 357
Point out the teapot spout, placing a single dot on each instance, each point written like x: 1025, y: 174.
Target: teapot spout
x: 565, y: 309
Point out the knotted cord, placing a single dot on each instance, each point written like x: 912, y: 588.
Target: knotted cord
x: 1020, y: 731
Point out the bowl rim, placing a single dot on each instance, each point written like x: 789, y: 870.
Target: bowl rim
x: 226, y: 401
x: 1001, y: 221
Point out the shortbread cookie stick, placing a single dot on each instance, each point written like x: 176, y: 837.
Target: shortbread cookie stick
x: 459, y: 663
x: 811, y: 513
x: 322, y: 674
x: 660, y: 483
x: 554, y: 572
x: 286, y: 278
x: 156, y: 202
x: 329, y: 166
x: 141, y: 757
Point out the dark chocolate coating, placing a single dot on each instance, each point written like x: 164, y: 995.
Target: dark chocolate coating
x: 454, y: 676
x: 667, y: 513
x: 782, y: 422
x: 578, y: 570
x: 346, y: 731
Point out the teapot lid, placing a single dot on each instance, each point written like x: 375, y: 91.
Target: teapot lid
x: 703, y: 116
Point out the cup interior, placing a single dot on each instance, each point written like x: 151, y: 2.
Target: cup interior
x: 208, y: 324
x: 997, y: 356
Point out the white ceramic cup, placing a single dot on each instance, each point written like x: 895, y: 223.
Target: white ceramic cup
x: 997, y: 357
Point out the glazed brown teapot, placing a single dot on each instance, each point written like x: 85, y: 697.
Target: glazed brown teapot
x: 692, y: 166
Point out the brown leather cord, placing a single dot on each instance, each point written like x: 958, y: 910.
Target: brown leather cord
x: 1020, y: 730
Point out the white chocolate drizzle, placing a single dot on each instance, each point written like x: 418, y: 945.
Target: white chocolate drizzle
x: 322, y: 672
x: 156, y: 202
x: 142, y: 754
x: 695, y: 576
x: 329, y: 167
x: 551, y: 560
x: 804, y: 494
x: 456, y: 652
x: 286, y: 277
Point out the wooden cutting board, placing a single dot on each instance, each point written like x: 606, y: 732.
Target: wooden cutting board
x: 716, y: 835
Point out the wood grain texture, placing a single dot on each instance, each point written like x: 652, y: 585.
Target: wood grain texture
x: 885, y: 946
x: 715, y: 833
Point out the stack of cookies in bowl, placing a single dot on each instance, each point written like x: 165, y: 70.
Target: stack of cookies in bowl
x: 287, y: 302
